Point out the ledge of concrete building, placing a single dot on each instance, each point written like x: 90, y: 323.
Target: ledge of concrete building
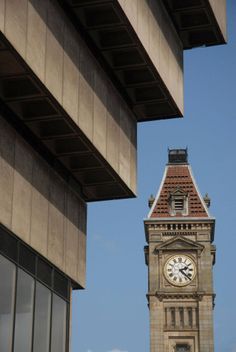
x: 198, y: 22
x: 147, y: 73
x: 37, y: 116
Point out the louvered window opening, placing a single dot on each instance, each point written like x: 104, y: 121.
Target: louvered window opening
x: 179, y: 204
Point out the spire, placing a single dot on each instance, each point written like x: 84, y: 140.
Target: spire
x: 178, y: 195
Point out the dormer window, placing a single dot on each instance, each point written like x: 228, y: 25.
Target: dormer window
x: 178, y: 203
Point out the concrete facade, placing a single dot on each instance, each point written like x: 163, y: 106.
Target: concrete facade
x: 219, y: 10
x: 38, y: 206
x: 51, y: 47
x: 180, y: 315
x: 157, y: 34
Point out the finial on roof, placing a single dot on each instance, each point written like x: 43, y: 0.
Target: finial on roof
x: 151, y: 201
x: 207, y: 200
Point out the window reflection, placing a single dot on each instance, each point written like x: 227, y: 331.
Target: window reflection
x: 58, y: 341
x: 24, y: 312
x: 32, y: 317
x: 7, y: 295
x: 42, y: 318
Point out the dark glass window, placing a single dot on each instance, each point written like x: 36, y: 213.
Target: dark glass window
x: 24, y: 312
x: 60, y: 284
x: 27, y: 259
x: 42, y: 318
x: 8, y: 244
x: 44, y: 272
x: 32, y: 317
x: 58, y: 340
x: 7, y: 296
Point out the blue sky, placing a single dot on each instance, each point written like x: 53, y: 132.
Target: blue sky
x: 112, y: 314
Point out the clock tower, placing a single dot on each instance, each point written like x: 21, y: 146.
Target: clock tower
x: 180, y: 257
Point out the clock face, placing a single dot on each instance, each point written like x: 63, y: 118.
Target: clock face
x: 180, y: 270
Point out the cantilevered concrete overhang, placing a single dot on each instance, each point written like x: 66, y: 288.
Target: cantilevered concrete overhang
x: 199, y: 22
x: 122, y: 34
x: 32, y: 110
x: 78, y: 113
x: 122, y: 52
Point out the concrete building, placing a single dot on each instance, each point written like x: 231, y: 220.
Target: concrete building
x: 75, y: 78
x: 180, y: 258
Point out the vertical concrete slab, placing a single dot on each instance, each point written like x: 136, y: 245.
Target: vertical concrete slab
x: 71, y: 234
x: 154, y: 34
x: 86, y: 92
x: 157, y: 34
x: 173, y: 68
x: 164, y: 48
x: 124, y: 142
x: 71, y: 72
x: 54, y: 50
x: 7, y: 155
x: 21, y: 213
x: 133, y: 158
x: 100, y: 112
x: 122, y: 3
x: 40, y: 207
x: 56, y: 222
x: 2, y: 15
x: 36, y: 36
x: 131, y: 9
x: 219, y: 9
x: 113, y: 121
x: 81, y: 273
x: 143, y: 26
x: 16, y: 24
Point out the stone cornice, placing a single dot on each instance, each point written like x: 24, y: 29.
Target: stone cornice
x: 180, y: 295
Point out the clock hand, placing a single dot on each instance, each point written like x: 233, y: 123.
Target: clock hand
x: 183, y: 272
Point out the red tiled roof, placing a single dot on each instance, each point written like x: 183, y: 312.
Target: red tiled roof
x: 178, y: 177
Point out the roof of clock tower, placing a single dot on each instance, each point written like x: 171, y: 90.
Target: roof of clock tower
x: 178, y: 195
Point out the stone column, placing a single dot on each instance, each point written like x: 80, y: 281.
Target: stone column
x: 157, y: 318
x: 168, y: 317
x: 206, y: 325
x: 186, y: 317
